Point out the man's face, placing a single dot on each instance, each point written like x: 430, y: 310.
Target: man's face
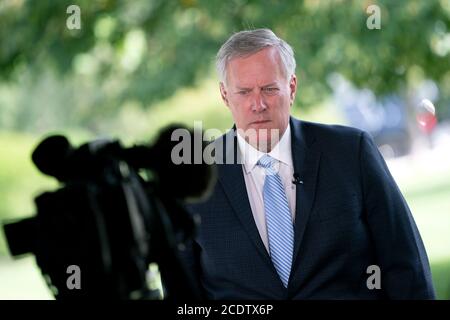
x: 259, y: 95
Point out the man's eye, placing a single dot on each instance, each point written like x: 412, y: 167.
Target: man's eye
x: 270, y: 89
x: 243, y: 92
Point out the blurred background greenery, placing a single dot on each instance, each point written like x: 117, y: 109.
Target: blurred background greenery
x: 136, y: 66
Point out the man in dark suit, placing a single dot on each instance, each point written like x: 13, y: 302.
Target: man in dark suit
x: 305, y: 210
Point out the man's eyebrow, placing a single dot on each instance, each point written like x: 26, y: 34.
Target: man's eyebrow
x: 264, y: 86
x: 269, y: 85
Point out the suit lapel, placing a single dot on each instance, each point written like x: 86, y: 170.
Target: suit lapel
x: 232, y: 180
x: 306, y: 159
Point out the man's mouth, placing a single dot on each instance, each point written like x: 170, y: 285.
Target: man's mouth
x: 260, y: 121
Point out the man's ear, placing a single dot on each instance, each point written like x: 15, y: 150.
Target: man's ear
x: 223, y: 93
x: 293, y: 88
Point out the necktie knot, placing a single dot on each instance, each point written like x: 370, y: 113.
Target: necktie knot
x: 267, y: 162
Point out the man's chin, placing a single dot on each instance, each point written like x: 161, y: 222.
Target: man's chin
x: 263, y: 139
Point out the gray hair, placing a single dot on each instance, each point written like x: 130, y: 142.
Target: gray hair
x: 248, y: 42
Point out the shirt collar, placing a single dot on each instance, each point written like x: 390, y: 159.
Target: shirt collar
x: 281, y: 152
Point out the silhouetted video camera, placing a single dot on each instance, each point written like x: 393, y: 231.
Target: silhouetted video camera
x: 108, y: 222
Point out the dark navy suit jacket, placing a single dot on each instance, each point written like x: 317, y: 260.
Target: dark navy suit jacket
x: 350, y: 214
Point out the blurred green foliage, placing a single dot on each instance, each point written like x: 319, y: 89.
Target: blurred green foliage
x: 140, y: 52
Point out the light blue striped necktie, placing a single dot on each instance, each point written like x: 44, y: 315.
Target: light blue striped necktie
x: 278, y: 218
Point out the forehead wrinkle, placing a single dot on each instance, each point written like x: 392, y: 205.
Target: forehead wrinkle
x: 254, y: 68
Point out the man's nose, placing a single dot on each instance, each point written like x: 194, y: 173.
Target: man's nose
x: 258, y: 103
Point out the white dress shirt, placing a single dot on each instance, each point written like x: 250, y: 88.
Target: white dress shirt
x: 254, y: 176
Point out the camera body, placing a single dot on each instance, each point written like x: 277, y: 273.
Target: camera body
x: 107, y: 222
